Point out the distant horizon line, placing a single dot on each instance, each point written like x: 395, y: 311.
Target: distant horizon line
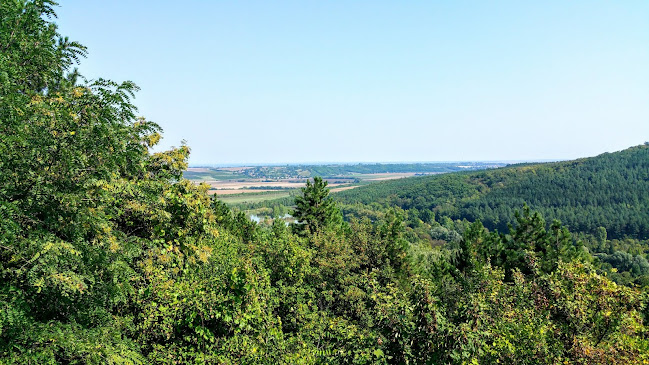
x: 275, y: 164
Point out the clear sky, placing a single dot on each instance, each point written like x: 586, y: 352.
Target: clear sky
x: 323, y: 81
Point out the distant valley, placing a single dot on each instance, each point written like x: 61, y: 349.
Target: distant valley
x: 251, y: 184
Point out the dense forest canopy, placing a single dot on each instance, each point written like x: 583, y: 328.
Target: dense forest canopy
x: 108, y: 255
x: 610, y: 190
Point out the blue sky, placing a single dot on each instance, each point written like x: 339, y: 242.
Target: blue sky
x: 306, y: 81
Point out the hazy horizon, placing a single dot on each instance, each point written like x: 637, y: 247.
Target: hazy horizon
x: 266, y: 83
x: 318, y: 163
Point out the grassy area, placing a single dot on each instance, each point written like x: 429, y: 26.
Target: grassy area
x: 254, y: 197
x: 213, y: 175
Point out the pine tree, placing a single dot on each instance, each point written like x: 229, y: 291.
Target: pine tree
x: 315, y: 209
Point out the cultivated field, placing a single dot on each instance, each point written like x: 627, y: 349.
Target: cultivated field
x: 251, y: 184
x: 252, y: 197
x: 383, y: 176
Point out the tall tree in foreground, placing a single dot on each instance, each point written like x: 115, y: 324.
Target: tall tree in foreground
x: 315, y: 208
x: 106, y: 254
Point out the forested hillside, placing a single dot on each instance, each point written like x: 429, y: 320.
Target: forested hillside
x: 610, y: 190
x: 109, y: 256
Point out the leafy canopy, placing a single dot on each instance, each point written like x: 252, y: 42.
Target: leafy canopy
x: 107, y: 255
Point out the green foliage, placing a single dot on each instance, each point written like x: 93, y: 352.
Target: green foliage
x: 610, y: 191
x: 108, y: 255
x: 315, y: 209
x: 93, y: 220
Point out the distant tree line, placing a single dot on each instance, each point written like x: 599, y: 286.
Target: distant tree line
x: 338, y: 170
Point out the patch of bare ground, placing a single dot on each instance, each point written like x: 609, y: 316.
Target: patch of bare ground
x: 247, y: 184
x: 387, y: 176
x: 198, y: 169
x: 344, y: 188
x: 239, y: 191
x: 229, y: 184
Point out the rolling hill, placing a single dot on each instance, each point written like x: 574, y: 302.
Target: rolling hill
x: 610, y: 190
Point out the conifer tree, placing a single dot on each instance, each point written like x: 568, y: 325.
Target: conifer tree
x: 314, y: 208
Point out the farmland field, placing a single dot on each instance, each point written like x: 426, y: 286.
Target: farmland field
x: 252, y: 197
x: 254, y: 184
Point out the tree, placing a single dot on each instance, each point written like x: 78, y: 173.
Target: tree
x: 95, y: 228
x: 315, y: 208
